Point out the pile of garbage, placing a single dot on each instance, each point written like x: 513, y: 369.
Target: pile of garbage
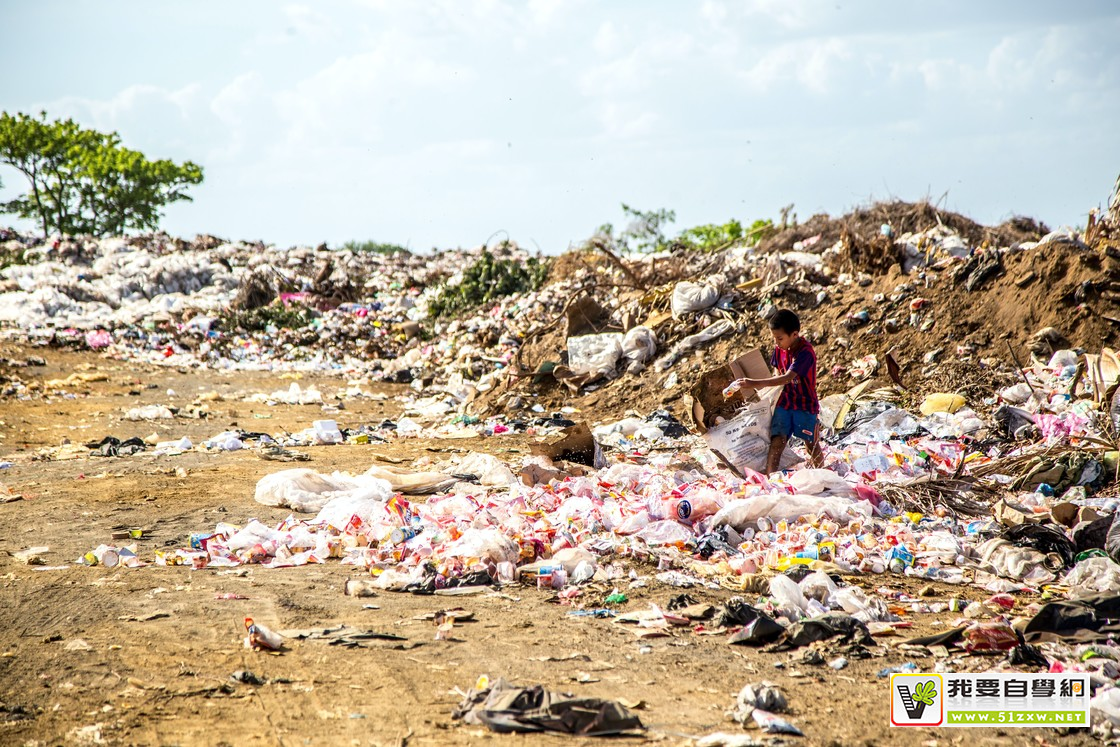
x: 601, y: 321
x: 970, y: 428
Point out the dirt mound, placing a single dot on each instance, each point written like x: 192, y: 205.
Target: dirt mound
x: 864, y: 223
x: 944, y: 336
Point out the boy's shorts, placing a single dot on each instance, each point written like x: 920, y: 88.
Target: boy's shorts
x: 794, y: 424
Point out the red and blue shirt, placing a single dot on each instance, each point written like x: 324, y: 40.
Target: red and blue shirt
x: 801, y: 393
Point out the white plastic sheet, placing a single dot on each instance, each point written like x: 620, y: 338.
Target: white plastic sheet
x: 745, y: 512
x: 307, y: 491
x: 709, y: 333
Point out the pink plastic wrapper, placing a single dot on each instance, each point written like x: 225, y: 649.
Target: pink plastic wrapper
x: 99, y: 338
x: 990, y: 636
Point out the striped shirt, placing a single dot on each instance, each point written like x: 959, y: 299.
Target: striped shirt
x: 801, y: 393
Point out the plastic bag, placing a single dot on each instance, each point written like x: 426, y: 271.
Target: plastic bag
x: 1106, y: 705
x: 594, y: 355
x: 1017, y: 563
x: 226, y: 441
x: 787, y: 596
x: 765, y: 695
x: 941, y: 402
x: 253, y: 533
x: 817, y: 585
x: 1062, y: 359
x: 744, y: 440
x: 489, y: 470
x: 1093, y: 576
x: 295, y: 486
x: 366, y: 500
x: 1016, y: 394
x: 638, y: 347
x: 327, y: 432
x: 634, y: 523
x: 149, y: 412
x: 890, y: 423
x: 484, y: 544
x: 691, y: 297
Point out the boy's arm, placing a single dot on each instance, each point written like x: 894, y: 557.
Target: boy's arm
x: 779, y: 380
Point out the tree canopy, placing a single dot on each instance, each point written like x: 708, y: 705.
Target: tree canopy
x: 85, y: 182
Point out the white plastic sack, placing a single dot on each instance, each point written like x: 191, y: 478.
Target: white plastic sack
x: 150, y: 412
x: 818, y: 585
x: 613, y: 434
x: 1016, y: 563
x: 787, y: 596
x: 1105, y: 706
x: 691, y: 297
x: 366, y: 501
x: 595, y: 355
x: 744, y: 440
x: 253, y: 533
x: 1016, y: 394
x: 225, y: 441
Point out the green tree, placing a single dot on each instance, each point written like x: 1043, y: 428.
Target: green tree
x: 645, y: 232
x: 84, y: 181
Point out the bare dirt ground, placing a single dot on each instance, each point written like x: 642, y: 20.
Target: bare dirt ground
x: 144, y: 656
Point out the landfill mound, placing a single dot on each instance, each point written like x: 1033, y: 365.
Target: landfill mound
x: 947, y: 314
x: 929, y: 287
x: 567, y: 451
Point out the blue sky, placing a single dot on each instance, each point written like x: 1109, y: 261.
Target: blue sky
x: 438, y: 123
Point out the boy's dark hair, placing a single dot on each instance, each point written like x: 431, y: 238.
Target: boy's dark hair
x: 786, y: 321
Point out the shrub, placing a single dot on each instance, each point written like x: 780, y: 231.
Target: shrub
x: 486, y: 280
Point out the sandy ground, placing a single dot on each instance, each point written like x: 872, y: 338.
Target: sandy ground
x: 144, y: 656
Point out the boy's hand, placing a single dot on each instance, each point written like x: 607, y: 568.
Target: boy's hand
x: 736, y: 386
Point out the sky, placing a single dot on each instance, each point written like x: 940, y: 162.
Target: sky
x: 442, y: 123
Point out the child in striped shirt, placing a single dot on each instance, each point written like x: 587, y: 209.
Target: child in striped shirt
x: 798, y: 405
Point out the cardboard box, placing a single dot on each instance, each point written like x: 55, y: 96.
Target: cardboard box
x: 708, y: 401
x: 573, y: 444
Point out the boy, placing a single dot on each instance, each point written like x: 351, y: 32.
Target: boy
x: 798, y: 405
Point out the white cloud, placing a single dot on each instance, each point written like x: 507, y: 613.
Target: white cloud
x: 813, y: 64
x: 625, y: 122
x: 308, y: 22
